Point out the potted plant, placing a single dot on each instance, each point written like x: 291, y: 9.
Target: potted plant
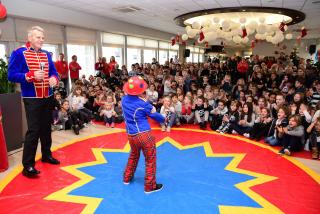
x: 10, y: 104
x: 6, y: 86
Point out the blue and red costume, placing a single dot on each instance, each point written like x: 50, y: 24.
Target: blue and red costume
x: 136, y: 110
x: 37, y: 98
x: 23, y: 63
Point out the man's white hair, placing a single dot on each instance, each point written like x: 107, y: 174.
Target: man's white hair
x: 34, y: 28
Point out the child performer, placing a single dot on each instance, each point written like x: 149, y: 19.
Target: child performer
x: 135, y: 112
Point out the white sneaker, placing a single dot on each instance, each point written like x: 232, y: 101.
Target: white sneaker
x: 234, y: 132
x: 247, y: 135
x: 163, y: 128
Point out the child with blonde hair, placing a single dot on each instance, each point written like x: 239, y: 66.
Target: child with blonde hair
x: 108, y: 114
x: 167, y: 110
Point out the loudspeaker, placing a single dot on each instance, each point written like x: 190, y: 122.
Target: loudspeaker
x: 312, y: 49
x: 186, y: 52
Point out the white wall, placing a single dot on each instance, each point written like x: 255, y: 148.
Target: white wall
x: 49, y: 13
x: 268, y: 49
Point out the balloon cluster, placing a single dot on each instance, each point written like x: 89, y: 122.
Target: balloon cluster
x: 238, y: 32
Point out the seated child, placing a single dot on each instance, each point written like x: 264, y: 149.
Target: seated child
x: 108, y: 114
x: 167, y: 110
x: 292, y: 136
x: 231, y: 117
x: 201, y: 112
x: 187, y: 114
x: 217, y: 115
x: 69, y: 119
x: 314, y: 139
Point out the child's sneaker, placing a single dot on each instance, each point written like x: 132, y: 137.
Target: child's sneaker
x: 168, y: 129
x: 158, y: 188
x: 107, y: 125
x: 234, y: 132
x: 163, y: 128
x: 247, y: 135
x: 287, y: 151
x: 112, y: 125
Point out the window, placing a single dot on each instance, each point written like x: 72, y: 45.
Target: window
x: 173, y: 54
x: 113, y: 51
x: 200, y: 57
x: 135, y: 41
x: 133, y: 56
x: 109, y: 38
x: 195, y: 57
x: 163, y: 45
x: 163, y: 56
x: 148, y: 55
x: 54, y: 49
x: 3, y: 52
x: 189, y: 59
x: 85, y: 55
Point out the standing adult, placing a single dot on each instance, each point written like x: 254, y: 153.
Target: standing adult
x: 242, y: 68
x: 112, y: 64
x: 63, y: 70
x: 34, y: 69
x: 135, y: 112
x: 74, y: 68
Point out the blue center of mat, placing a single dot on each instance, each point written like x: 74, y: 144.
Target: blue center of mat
x: 193, y: 183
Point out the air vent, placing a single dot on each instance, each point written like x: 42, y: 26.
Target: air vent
x: 127, y: 9
x: 315, y: 2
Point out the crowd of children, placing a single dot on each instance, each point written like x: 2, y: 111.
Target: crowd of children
x: 276, y: 100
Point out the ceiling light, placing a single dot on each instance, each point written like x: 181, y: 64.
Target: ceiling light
x: 237, y: 24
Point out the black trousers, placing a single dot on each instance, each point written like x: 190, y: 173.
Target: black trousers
x: 39, y: 118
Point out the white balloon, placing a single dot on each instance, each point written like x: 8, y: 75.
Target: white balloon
x: 192, y: 33
x: 263, y: 36
x: 242, y: 20
x: 257, y: 36
x: 184, y: 37
x: 289, y: 36
x: 225, y: 25
x: 262, y: 29
x: 215, y: 26
x: 269, y: 38
x: 270, y: 33
x: 210, y: 36
x: 262, y: 19
x: 237, y: 39
x: 250, y: 31
x: 216, y: 20
x: 188, y: 28
x: 206, y: 29
x: 206, y: 23
x: 196, y: 25
x: 253, y: 25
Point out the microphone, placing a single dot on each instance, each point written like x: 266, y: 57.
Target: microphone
x: 42, y: 64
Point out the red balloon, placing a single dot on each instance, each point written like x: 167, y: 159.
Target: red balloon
x: 3, y: 11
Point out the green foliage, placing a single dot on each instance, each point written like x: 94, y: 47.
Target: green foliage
x: 5, y: 85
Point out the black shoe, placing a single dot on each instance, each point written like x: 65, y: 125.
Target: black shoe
x: 76, y: 129
x: 158, y: 188
x: 50, y: 160
x: 281, y: 152
x: 30, y: 172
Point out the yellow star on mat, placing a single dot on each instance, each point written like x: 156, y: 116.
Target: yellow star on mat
x: 93, y: 203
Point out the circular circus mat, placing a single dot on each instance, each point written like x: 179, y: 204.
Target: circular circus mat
x: 202, y: 172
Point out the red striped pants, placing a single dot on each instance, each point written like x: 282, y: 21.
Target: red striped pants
x: 145, y: 142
